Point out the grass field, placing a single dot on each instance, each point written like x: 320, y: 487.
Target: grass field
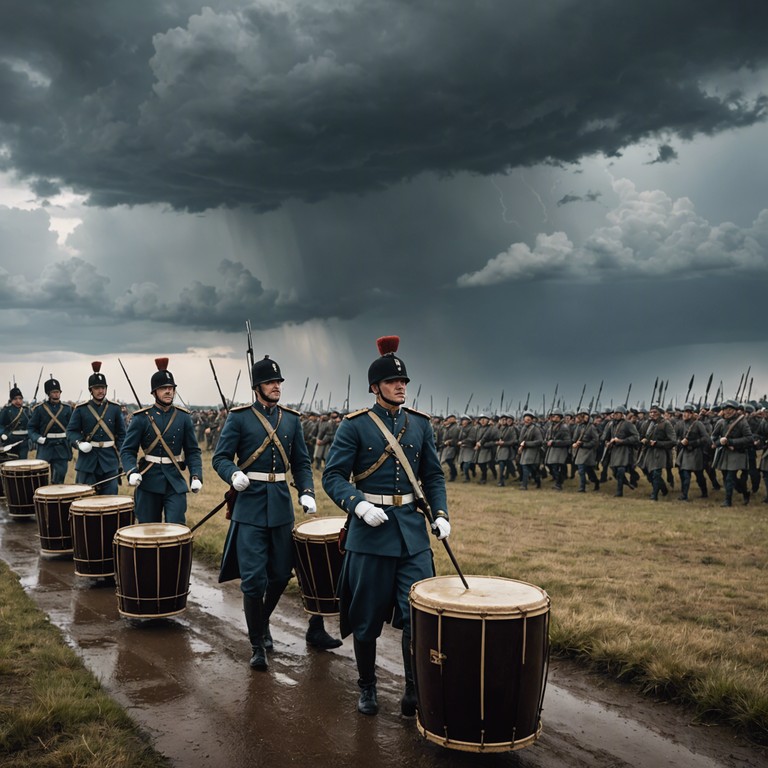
x: 669, y: 597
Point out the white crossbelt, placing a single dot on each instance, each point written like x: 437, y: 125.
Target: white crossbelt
x: 19, y: 432
x: 104, y: 444
x: 51, y: 435
x: 267, y: 477
x: 390, y: 501
x: 161, y: 459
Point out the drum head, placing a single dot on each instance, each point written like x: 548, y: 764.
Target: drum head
x: 62, y: 491
x: 487, y: 597
x: 102, y: 504
x: 153, y: 533
x: 321, y: 528
x: 22, y: 465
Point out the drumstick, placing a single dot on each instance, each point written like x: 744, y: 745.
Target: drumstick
x: 106, y: 480
x: 213, y: 511
x: 7, y: 448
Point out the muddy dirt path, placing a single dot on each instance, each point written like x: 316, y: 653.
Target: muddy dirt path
x: 186, y: 681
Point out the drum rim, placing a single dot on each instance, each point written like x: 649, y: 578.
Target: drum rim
x: 476, y: 746
x: 41, y: 491
x: 453, y: 609
x: 99, y: 504
x: 24, y: 464
x: 124, y: 535
x: 304, y: 536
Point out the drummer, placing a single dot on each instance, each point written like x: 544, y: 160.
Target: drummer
x: 166, y: 435
x: 48, y: 428
x: 97, y: 430
x: 14, y: 420
x: 268, y: 440
x: 387, y: 545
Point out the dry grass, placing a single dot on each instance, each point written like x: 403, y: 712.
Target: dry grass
x: 670, y: 596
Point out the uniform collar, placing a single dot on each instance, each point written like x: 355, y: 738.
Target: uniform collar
x: 381, y: 411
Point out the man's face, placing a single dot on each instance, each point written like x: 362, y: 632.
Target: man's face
x: 654, y: 415
x: 164, y: 395
x: 393, y: 391
x: 728, y: 412
x: 271, y: 390
x: 55, y: 395
x: 98, y: 393
x: 18, y: 401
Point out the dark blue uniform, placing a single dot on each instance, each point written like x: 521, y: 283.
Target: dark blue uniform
x: 259, y: 547
x: 14, y: 422
x: 383, y: 562
x: 103, y: 427
x: 163, y: 487
x: 49, y: 420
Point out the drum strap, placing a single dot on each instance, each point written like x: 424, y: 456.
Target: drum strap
x: 270, y: 438
x: 54, y: 420
x: 13, y: 424
x: 388, y: 450
x: 100, y: 423
x: 159, y: 439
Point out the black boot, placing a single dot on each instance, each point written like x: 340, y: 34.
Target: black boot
x: 271, y: 598
x: 253, y: 607
x: 365, y: 656
x: 317, y: 637
x: 408, y: 702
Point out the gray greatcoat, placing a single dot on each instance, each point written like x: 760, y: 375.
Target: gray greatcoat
x: 691, y: 456
x: 662, y: 434
x: 533, y: 437
x: 622, y: 453
x: 589, y: 438
x: 560, y: 435
x: 732, y: 456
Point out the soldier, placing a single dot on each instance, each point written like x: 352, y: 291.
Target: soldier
x: 166, y: 435
x: 97, y: 430
x: 486, y: 436
x: 558, y: 440
x: 467, y: 439
x: 387, y: 546
x: 621, y: 439
x: 529, y: 450
x: 505, y: 446
x: 14, y: 423
x: 450, y: 446
x: 586, y: 440
x: 48, y: 428
x: 325, y: 433
x: 310, y: 431
x: 268, y: 441
x: 731, y: 437
x: 692, y: 436
x: 658, y: 439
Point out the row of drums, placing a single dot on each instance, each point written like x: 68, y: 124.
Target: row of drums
x: 479, y: 655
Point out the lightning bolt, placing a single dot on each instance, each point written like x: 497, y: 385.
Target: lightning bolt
x: 545, y: 216
x: 504, y: 211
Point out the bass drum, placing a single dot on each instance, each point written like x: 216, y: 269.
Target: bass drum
x: 52, y: 503
x: 21, y: 478
x: 318, y: 563
x: 94, y: 522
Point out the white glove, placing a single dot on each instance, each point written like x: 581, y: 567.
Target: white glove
x: 3, y: 437
x: 196, y: 484
x: 308, y: 502
x: 374, y: 516
x: 84, y: 447
x: 135, y: 478
x: 240, y: 480
x: 442, y: 528
x: 41, y: 439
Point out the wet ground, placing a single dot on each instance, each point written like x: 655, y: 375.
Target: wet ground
x: 185, y: 680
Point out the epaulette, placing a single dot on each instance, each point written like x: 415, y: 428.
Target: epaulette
x: 290, y: 410
x: 418, y: 413
x: 239, y: 408
x: 80, y: 405
x: 142, y: 410
x: 357, y: 413
x: 183, y: 410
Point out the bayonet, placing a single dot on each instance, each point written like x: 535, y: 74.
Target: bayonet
x: 690, y: 387
x: 249, y: 350
x: 301, y: 402
x: 216, y: 379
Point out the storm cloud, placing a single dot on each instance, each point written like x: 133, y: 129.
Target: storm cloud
x: 257, y: 103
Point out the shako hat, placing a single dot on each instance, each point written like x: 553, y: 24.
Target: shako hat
x: 51, y: 385
x: 265, y: 370
x: 15, y: 392
x: 388, y: 366
x: 97, y: 379
x: 162, y: 377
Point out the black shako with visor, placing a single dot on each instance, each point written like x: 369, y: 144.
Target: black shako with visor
x: 388, y: 366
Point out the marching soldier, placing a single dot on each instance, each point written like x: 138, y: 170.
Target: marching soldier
x: 268, y: 441
x: 529, y: 451
x: 166, y: 435
x: 586, y: 440
x: 621, y: 440
x: 558, y: 440
x: 325, y: 432
x: 48, y: 428
x: 486, y: 435
x: 450, y: 443
x: 14, y: 423
x: 657, y: 441
x: 467, y: 439
x: 97, y: 430
x: 692, y: 436
x: 386, y: 450
x: 505, y: 446
x: 731, y: 437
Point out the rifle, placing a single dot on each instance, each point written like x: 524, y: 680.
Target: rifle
x: 626, y: 399
x: 216, y: 379
x: 751, y: 382
x: 314, y: 392
x: 653, y: 395
x: 466, y: 408
x: 599, y: 392
x: 738, y: 389
x: 37, y: 386
x: 501, y: 402
x: 690, y: 387
x: 416, y: 399
x: 346, y: 402
x: 583, y: 390
x: 527, y: 398
x: 234, y: 391
x: 249, y: 350
x: 709, y: 384
x: 301, y: 402
x: 746, y: 378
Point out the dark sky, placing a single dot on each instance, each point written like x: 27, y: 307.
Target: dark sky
x: 528, y: 193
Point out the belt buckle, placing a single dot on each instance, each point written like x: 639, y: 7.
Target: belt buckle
x: 271, y: 477
x: 397, y: 501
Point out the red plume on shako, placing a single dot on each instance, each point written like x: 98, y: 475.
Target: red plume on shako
x: 162, y: 377
x: 388, y: 366
x: 96, y: 379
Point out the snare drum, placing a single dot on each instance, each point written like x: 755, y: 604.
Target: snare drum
x: 21, y: 477
x: 480, y: 660
x: 52, y: 504
x: 318, y: 563
x: 94, y: 522
x: 152, y: 566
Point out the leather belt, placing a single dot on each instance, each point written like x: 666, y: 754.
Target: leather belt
x: 19, y: 432
x: 104, y: 444
x: 53, y: 435
x: 267, y: 477
x: 161, y: 459
x: 390, y: 501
